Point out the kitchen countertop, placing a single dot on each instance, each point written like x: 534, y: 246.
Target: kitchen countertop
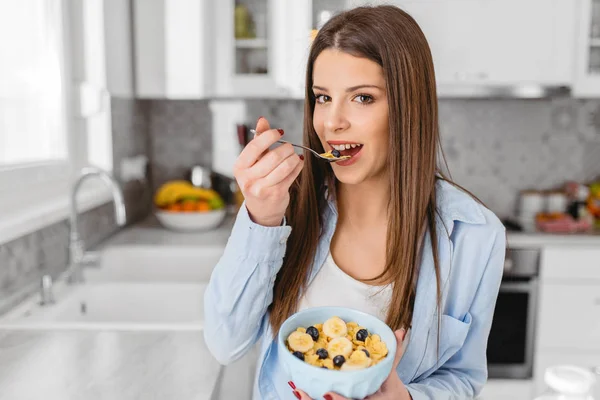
x: 150, y: 232
x: 106, y: 365
x: 541, y: 239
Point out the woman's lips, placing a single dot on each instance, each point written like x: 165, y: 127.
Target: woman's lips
x: 356, y: 152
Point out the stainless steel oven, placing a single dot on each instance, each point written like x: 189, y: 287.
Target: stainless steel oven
x: 511, y: 340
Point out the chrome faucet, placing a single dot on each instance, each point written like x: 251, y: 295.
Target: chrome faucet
x: 77, y: 252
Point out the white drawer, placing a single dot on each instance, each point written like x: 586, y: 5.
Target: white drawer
x: 571, y: 263
x: 546, y: 359
x: 569, y: 316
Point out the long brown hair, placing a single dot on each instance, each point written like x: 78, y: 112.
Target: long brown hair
x: 391, y: 38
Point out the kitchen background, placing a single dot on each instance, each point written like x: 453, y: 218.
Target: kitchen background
x: 173, y: 89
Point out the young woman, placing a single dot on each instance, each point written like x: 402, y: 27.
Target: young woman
x: 383, y: 232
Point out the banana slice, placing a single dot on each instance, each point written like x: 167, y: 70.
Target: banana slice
x: 353, y: 364
x: 339, y: 346
x: 299, y: 341
x: 335, y: 327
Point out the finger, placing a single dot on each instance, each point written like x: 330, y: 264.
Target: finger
x: 283, y: 171
x: 276, y: 183
x: 270, y: 161
x: 287, y: 182
x: 257, y: 147
x: 400, y: 334
x: 262, y: 125
x: 303, y: 396
x: 335, y: 396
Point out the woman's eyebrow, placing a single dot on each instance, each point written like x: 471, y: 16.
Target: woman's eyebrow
x: 350, y: 89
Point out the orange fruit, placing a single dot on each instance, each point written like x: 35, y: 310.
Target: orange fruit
x: 202, y: 206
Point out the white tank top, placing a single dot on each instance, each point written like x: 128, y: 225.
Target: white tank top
x: 333, y: 287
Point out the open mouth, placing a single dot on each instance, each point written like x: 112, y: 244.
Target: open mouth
x: 346, y: 149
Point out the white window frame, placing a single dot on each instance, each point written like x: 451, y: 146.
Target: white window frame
x: 35, y: 195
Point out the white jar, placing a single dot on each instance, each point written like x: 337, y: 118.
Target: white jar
x: 531, y: 202
x: 568, y: 382
x: 556, y: 202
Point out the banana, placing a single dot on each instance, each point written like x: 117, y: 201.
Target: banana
x: 353, y: 364
x: 340, y: 346
x: 174, y: 191
x: 299, y: 341
x: 335, y: 327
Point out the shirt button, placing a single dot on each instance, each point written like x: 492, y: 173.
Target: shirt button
x: 283, y: 240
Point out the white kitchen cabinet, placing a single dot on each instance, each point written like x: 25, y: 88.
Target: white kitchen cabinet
x: 579, y: 264
x: 569, y: 316
x: 568, y: 321
x: 118, y: 48
x: 498, y: 42
x: 173, y: 53
x: 587, y: 360
x: 259, y: 47
x: 587, y: 65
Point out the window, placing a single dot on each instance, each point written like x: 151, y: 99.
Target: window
x: 54, y: 109
x: 31, y: 83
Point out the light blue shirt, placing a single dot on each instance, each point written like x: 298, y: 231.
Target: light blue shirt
x: 471, y: 251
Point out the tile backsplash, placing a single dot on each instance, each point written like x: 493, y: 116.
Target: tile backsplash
x: 495, y: 148
x: 23, y: 261
x: 180, y: 137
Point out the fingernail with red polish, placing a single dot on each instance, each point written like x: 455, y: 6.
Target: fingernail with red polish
x: 298, y: 395
x: 292, y: 385
x: 280, y: 131
x: 301, y: 157
x: 328, y: 397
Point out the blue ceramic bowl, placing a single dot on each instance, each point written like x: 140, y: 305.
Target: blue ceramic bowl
x: 318, y: 381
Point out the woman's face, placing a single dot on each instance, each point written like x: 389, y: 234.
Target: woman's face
x: 351, y: 112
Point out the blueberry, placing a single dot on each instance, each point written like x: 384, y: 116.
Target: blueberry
x: 313, y: 332
x: 362, y: 335
x: 299, y: 355
x: 366, y: 352
x: 322, y: 353
x: 339, y: 360
x: 336, y: 153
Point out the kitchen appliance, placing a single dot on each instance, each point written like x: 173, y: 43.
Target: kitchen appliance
x: 511, y: 340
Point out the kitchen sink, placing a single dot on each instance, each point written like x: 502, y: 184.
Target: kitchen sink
x: 114, y: 306
x: 139, y: 263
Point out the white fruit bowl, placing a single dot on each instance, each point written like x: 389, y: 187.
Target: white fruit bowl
x: 190, y: 221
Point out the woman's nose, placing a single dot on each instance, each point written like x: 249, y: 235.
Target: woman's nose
x: 336, y: 120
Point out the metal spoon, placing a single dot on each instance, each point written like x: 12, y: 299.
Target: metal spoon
x: 325, y: 156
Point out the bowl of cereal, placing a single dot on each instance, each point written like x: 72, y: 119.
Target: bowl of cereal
x: 336, y: 349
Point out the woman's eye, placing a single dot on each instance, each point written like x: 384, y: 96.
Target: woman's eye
x: 322, y: 98
x: 364, y: 98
